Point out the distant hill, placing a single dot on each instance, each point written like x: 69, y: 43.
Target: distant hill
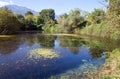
x: 19, y: 9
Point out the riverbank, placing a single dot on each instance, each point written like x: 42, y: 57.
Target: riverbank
x: 2, y: 36
x: 111, y: 69
x: 100, y: 30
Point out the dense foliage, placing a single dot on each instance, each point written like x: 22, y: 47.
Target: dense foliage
x: 8, y: 22
x: 104, y: 24
x: 71, y: 21
x: 96, y: 17
x: 114, y: 13
x: 48, y: 16
x: 11, y: 23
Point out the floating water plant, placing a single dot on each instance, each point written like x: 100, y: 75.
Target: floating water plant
x: 43, y: 53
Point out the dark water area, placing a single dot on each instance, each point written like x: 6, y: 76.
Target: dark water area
x: 75, y: 53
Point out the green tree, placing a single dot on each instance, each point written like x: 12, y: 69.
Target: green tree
x: 38, y: 22
x: 114, y: 13
x: 62, y: 18
x: 72, y: 21
x: 96, y: 17
x: 8, y: 22
x: 30, y: 21
x: 46, y: 20
x: 48, y: 16
x: 28, y: 13
x: 21, y: 19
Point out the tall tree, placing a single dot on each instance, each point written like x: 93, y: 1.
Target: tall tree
x: 71, y: 21
x: 48, y: 16
x: 30, y: 21
x: 21, y: 19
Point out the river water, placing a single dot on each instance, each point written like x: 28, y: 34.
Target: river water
x: 67, y: 57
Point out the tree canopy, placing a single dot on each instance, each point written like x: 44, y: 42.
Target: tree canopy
x: 114, y: 13
x: 97, y: 16
x: 71, y: 21
x: 48, y: 16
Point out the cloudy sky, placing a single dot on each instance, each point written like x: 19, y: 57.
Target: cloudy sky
x: 60, y: 6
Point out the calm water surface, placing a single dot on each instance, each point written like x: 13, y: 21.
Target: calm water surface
x: 77, y: 56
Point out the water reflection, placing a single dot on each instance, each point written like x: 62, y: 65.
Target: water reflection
x: 8, y: 45
x: 73, y: 51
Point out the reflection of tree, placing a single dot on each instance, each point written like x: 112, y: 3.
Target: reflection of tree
x: 8, y: 45
x: 44, y: 40
x: 70, y: 41
x: 96, y: 52
x: 105, y: 44
x: 74, y: 50
x: 29, y: 39
x: 96, y: 47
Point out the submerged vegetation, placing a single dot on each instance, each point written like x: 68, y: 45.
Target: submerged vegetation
x: 109, y: 70
x: 43, y: 53
x: 83, y: 71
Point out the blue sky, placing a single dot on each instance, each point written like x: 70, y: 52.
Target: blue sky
x: 60, y: 6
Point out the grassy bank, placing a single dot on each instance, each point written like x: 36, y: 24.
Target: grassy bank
x: 111, y: 69
x: 100, y: 30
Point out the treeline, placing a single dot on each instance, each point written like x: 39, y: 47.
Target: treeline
x: 11, y: 23
x: 98, y: 23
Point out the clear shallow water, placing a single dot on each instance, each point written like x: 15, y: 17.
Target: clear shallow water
x: 77, y: 56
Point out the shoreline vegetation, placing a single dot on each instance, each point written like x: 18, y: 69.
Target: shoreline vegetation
x: 111, y: 69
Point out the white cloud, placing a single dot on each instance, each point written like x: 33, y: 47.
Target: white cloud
x: 3, y: 3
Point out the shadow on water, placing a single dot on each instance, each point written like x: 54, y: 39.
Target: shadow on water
x: 16, y: 62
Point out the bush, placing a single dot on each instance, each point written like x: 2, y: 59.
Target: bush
x: 50, y: 29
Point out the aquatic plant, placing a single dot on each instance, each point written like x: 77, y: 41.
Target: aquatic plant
x: 43, y: 53
x: 80, y: 72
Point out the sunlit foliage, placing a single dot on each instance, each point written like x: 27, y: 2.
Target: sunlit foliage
x: 96, y: 17
x: 30, y: 21
x: 71, y: 21
x: 8, y: 22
